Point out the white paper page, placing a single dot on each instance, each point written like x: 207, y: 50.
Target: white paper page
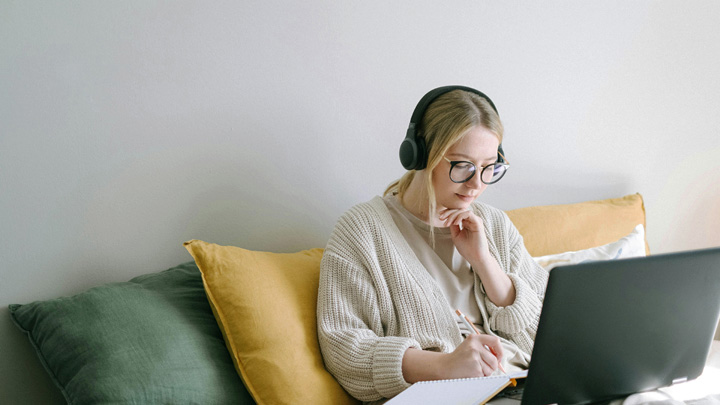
x: 465, y: 391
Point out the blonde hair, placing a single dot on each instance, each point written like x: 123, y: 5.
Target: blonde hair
x: 446, y: 121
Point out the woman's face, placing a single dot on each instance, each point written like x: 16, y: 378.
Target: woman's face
x: 478, y: 146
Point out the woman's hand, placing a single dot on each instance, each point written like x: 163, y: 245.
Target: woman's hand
x: 468, y: 235
x: 473, y: 358
x: 477, y: 356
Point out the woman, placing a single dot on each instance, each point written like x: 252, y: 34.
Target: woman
x: 397, y: 268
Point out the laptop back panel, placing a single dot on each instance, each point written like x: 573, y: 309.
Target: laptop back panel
x: 612, y: 328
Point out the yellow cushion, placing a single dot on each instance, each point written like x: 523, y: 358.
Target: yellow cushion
x: 265, y: 304
x: 552, y: 229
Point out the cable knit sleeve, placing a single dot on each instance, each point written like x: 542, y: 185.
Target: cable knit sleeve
x: 517, y: 322
x: 351, y: 329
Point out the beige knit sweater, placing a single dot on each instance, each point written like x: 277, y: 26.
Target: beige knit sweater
x: 376, y: 299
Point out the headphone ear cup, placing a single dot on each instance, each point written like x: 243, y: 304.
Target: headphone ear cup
x: 412, y: 153
x: 408, y: 154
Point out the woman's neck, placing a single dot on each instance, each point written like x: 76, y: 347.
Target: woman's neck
x: 415, y: 200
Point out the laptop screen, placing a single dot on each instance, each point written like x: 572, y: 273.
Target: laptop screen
x: 612, y: 328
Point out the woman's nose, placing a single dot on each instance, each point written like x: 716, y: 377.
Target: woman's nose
x: 474, y: 182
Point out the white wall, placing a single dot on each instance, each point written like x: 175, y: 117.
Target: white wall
x: 128, y: 127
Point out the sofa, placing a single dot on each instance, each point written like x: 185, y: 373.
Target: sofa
x: 235, y: 326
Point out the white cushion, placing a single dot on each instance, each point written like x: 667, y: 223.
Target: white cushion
x: 632, y: 245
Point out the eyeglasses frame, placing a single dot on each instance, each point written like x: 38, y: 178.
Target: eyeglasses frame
x: 453, y: 163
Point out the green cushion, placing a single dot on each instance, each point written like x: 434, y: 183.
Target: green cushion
x: 152, y: 340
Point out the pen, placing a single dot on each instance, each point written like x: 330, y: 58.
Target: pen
x: 473, y: 328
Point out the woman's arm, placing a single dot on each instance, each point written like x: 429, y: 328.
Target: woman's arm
x: 498, y: 286
x: 469, y: 237
x: 473, y: 358
x: 517, y: 322
x: 366, y: 363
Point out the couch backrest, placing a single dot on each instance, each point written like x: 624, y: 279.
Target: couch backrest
x: 552, y: 229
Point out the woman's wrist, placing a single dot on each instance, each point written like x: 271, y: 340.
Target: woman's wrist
x: 422, y: 365
x: 484, y: 264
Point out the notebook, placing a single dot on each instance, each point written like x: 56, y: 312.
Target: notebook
x: 612, y: 328
x: 462, y: 391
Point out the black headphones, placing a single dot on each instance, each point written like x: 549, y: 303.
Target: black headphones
x: 413, y: 153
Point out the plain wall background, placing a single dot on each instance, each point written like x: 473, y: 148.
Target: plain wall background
x: 128, y: 127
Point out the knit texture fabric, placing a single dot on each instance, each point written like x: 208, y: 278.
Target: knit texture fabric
x: 376, y: 299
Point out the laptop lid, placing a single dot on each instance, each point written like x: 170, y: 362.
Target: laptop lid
x: 612, y: 328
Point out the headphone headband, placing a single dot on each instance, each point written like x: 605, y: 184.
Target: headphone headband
x: 428, y: 98
x: 413, y: 153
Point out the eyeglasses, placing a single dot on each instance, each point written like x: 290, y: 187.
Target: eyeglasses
x: 462, y: 171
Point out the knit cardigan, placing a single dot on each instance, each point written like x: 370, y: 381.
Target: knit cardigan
x: 376, y: 299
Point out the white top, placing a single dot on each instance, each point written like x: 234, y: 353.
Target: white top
x: 444, y: 263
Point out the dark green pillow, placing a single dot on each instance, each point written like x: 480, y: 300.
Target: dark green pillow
x: 152, y: 340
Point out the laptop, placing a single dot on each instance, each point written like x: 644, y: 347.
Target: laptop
x: 612, y: 328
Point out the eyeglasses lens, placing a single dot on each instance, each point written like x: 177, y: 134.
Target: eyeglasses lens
x: 462, y: 172
x: 491, y: 174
